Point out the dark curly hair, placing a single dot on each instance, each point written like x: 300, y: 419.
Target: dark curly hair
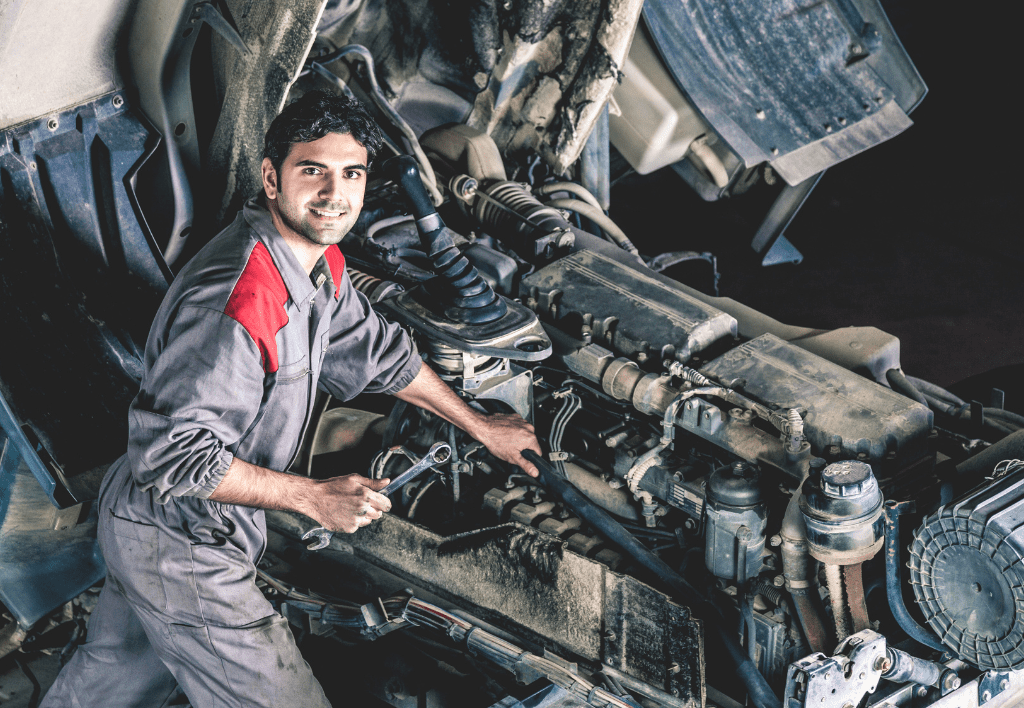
x: 313, y: 116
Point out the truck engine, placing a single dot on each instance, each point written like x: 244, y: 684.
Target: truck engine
x: 731, y: 510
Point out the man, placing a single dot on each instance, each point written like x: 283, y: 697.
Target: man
x: 260, y: 316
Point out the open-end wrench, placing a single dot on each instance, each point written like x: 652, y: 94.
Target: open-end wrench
x: 438, y: 454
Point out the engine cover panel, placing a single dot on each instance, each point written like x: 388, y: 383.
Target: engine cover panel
x: 843, y: 409
x: 630, y: 310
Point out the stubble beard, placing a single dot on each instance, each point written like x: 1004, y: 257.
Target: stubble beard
x: 298, y: 219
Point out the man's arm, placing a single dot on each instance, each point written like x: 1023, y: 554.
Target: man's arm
x: 505, y: 435
x: 339, y: 504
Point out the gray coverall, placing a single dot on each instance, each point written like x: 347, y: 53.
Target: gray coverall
x: 242, y: 338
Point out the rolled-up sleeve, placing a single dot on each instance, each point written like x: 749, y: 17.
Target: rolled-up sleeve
x: 201, y: 395
x: 365, y: 352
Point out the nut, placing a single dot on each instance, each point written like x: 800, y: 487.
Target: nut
x: 882, y: 664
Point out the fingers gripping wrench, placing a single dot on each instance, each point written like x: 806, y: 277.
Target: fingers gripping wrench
x: 437, y: 454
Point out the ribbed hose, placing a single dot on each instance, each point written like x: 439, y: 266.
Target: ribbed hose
x: 465, y: 296
x: 372, y: 287
x: 757, y: 687
x: 515, y: 210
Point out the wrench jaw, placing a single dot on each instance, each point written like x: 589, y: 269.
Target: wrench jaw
x: 318, y: 538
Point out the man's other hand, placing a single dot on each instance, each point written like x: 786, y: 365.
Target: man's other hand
x: 506, y: 435
x: 348, y: 503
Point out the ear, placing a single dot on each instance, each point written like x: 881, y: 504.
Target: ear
x: 270, y: 182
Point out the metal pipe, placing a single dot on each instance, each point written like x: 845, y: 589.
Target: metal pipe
x: 756, y: 685
x: 853, y: 580
x: 893, y: 589
x: 834, y: 580
x: 796, y: 560
x: 910, y: 669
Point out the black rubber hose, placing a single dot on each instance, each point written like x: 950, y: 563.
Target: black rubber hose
x: 404, y: 171
x: 894, y: 583
x: 981, y: 465
x: 756, y: 685
x: 899, y: 383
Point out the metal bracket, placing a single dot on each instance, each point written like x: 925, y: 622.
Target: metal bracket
x: 836, y: 681
x: 991, y: 684
x: 207, y: 12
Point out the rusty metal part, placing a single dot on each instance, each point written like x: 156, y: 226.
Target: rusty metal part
x: 853, y: 579
x: 834, y: 579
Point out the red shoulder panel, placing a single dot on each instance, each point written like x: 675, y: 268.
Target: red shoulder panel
x: 336, y: 262
x: 257, y: 303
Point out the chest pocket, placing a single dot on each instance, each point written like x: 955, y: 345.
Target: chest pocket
x: 296, y: 372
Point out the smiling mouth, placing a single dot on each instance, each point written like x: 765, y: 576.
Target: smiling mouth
x: 327, y: 214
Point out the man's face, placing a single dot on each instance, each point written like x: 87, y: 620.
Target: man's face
x: 319, y: 189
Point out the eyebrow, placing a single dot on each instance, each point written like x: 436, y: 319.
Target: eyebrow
x: 314, y: 163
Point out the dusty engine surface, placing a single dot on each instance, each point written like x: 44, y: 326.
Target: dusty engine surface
x: 711, y: 505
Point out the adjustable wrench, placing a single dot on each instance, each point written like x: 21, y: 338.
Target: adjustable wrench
x: 438, y: 454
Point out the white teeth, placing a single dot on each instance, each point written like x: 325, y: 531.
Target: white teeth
x: 329, y: 214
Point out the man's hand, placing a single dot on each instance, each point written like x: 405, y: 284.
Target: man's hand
x: 348, y: 503
x: 339, y: 504
x: 506, y: 435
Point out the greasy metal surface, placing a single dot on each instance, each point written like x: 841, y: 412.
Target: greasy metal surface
x: 529, y: 584
x: 783, y: 83
x: 40, y: 568
x: 633, y: 311
x: 843, y: 409
x: 969, y: 695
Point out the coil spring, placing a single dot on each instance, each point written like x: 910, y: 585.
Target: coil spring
x: 768, y: 591
x: 363, y: 282
x: 372, y: 287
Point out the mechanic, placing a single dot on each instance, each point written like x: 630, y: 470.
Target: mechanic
x: 261, y: 315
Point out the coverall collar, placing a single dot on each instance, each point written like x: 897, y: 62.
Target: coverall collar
x: 296, y: 280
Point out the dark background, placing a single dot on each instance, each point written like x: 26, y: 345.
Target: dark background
x: 917, y: 236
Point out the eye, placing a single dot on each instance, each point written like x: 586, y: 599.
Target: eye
x: 353, y: 174
x: 311, y: 171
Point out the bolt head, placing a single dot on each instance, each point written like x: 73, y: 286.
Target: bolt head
x: 117, y: 101
x: 52, y: 124
x: 882, y: 664
x: 986, y: 695
x: 1003, y: 685
x: 779, y: 580
x: 921, y: 691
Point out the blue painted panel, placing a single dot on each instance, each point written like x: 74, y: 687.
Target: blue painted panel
x: 40, y: 569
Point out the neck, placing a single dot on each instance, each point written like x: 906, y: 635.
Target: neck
x: 307, y: 252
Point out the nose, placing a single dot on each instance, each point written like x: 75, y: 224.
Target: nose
x: 332, y: 188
